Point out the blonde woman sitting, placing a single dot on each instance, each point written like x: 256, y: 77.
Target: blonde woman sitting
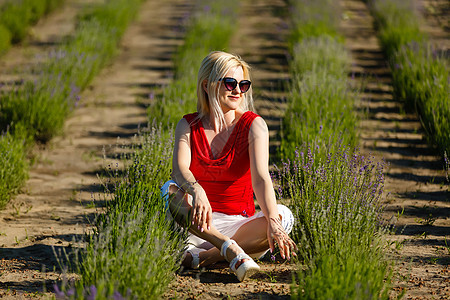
x: 220, y: 161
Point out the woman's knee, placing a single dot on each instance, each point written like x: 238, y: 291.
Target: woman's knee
x: 176, y: 202
x: 287, y: 218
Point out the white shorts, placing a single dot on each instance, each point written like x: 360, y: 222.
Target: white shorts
x: 229, y: 224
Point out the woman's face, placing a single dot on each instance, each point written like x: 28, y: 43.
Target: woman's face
x: 231, y: 100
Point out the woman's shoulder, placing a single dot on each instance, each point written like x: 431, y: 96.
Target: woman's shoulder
x: 185, y: 123
x: 250, y: 114
x: 249, y: 118
x: 190, y: 117
x: 246, y: 118
x: 258, y: 126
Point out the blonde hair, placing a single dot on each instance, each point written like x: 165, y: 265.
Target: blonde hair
x: 213, y: 68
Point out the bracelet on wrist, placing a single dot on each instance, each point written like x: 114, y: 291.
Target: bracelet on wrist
x: 189, y: 185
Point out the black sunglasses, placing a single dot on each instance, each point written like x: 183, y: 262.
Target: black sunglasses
x: 231, y: 84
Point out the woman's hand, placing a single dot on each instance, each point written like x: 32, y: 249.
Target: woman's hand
x: 201, y: 209
x: 275, y: 232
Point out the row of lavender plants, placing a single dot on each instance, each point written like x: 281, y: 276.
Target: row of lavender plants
x: 13, y: 164
x: 320, y: 103
x: 214, y: 22
x: 15, y: 20
x: 43, y: 103
x: 420, y: 73
x: 136, y: 249
x: 333, y: 190
x: 16, y: 17
x: 36, y: 108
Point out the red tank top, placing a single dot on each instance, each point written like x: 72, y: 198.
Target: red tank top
x: 226, y: 179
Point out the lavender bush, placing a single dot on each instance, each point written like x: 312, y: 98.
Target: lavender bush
x: 214, y: 22
x: 13, y: 165
x: 336, y: 203
x: 419, y: 73
x: 16, y: 17
x: 313, y: 19
x: 420, y: 78
x: 42, y: 105
x: 333, y: 191
x: 397, y: 24
x: 134, y: 251
x: 38, y: 107
x: 321, y: 102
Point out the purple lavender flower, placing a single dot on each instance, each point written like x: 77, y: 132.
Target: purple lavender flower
x: 58, y: 293
x: 117, y: 296
x: 93, y: 292
x: 71, y: 292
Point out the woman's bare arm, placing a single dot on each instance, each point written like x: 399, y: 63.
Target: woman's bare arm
x: 263, y: 187
x: 201, y: 212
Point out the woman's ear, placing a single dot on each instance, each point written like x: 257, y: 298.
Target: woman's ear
x: 205, y: 85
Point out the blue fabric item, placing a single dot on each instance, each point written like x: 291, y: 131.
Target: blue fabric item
x: 165, y: 192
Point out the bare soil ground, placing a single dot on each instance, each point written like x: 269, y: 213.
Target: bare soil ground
x: 56, y: 204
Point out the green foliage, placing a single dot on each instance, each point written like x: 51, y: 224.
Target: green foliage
x: 333, y: 192
x: 323, y: 113
x: 309, y: 19
x: 214, y: 22
x: 320, y: 103
x: 138, y: 260
x: 13, y: 165
x: 114, y: 15
x: 5, y: 39
x: 420, y: 75
x: 18, y: 16
x: 336, y: 202
x: 420, y: 79
x: 319, y: 54
x: 397, y: 24
x: 345, y: 275
x: 42, y: 105
x: 135, y: 249
x: 38, y: 108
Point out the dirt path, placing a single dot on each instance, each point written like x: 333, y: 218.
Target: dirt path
x: 63, y: 183
x: 415, y: 179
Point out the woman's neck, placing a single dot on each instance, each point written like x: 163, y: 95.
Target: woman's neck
x: 229, y: 116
